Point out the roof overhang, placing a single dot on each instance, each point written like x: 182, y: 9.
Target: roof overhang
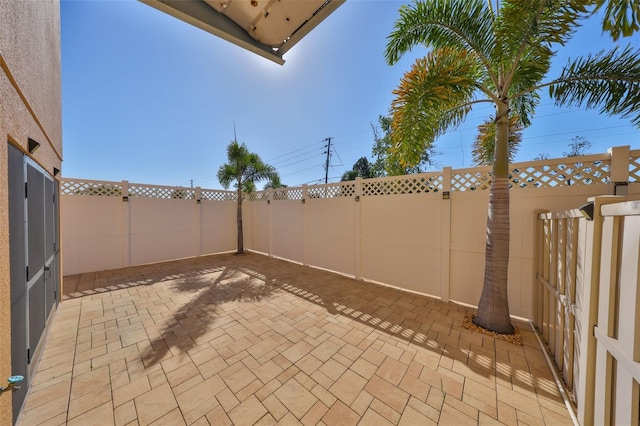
x: 266, y: 27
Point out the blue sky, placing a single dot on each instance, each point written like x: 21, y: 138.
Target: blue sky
x: 150, y: 99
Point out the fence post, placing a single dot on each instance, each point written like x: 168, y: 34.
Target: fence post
x: 305, y: 239
x: 270, y: 221
x: 445, y: 236
x: 585, y: 395
x: 357, y: 272
x: 197, y: 234
x: 619, y: 173
x: 125, y: 231
x: 538, y: 259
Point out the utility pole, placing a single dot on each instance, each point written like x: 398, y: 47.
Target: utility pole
x: 326, y: 167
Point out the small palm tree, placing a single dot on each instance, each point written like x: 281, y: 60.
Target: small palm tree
x: 274, y: 182
x: 500, y: 53
x: 243, y: 170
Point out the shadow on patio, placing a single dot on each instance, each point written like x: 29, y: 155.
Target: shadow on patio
x: 249, y: 339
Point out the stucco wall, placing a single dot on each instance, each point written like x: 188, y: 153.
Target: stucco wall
x: 29, y: 108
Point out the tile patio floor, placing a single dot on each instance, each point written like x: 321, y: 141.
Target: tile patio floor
x: 247, y: 340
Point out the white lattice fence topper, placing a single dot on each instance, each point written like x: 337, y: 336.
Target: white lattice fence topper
x: 158, y: 191
x: 412, y: 184
x: 90, y: 187
x: 561, y: 174
x: 218, y: 195
x: 342, y: 189
x: 256, y: 196
x: 471, y: 179
x: 286, y: 194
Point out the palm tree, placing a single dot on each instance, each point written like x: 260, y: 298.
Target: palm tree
x: 243, y: 170
x: 497, y: 52
x: 274, y: 182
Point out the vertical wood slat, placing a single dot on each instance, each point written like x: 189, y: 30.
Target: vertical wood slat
x: 628, y: 308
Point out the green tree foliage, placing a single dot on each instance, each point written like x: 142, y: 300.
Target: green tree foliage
x: 243, y: 170
x: 361, y: 168
x: 386, y: 164
x: 499, y: 53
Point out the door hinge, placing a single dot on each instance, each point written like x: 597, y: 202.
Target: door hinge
x: 27, y: 273
x: 25, y: 190
x: 28, y: 355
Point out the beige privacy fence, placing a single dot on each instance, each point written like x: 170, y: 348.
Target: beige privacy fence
x: 587, y: 306
x: 423, y: 232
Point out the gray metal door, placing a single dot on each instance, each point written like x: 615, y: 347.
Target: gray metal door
x: 17, y: 259
x: 34, y: 259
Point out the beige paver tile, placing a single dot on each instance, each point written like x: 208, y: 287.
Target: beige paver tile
x: 325, y: 350
x: 309, y: 364
x: 392, y: 371
x: 297, y: 351
x: 348, y: 387
x: 314, y: 415
x: 394, y: 397
x: 296, y: 398
x: 385, y: 411
x: 249, y: 390
x: 174, y: 417
x: 154, y: 404
x: 212, y: 367
x: 102, y: 414
x: 412, y: 417
x: 248, y: 412
x: 332, y: 369
x: 373, y: 356
x: 371, y: 417
x: 130, y: 391
x: 267, y: 389
x: 362, y: 402
x: 182, y: 373
x: 218, y: 417
x: 275, y: 407
x: 38, y: 410
x: 89, y: 400
x: 323, y: 395
x: 125, y: 414
x: 341, y: 415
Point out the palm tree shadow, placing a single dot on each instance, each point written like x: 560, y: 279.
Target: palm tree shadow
x: 199, y: 295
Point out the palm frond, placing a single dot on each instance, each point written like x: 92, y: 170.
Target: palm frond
x: 484, y: 145
x: 608, y: 81
x: 621, y: 17
x: 462, y: 25
x: 434, y: 96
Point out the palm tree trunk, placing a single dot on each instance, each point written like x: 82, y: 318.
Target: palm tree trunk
x: 239, y: 218
x: 493, y: 308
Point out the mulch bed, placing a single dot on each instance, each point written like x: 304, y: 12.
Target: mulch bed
x: 515, y: 338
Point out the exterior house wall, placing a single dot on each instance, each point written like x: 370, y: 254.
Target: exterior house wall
x: 30, y: 107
